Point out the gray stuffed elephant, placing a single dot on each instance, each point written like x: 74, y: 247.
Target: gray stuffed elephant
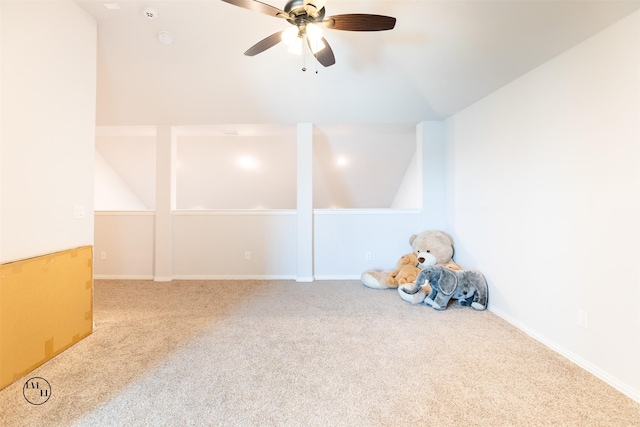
x: 468, y: 287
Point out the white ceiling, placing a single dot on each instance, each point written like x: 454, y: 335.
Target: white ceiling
x: 441, y: 57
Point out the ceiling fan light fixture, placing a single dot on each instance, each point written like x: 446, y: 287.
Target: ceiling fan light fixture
x: 290, y: 35
x: 296, y: 46
x: 314, y: 33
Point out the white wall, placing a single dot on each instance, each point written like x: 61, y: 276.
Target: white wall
x: 124, y: 243
x: 546, y: 201
x: 348, y: 242
x: 48, y: 127
x: 212, y: 245
x: 431, y: 156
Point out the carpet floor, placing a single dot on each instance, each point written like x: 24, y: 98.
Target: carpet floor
x: 328, y: 353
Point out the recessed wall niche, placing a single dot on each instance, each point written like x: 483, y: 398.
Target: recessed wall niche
x: 236, y: 169
x: 368, y: 166
x: 125, y: 169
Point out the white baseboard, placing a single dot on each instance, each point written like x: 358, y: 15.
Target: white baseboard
x: 122, y: 277
x: 190, y: 277
x: 222, y: 277
x: 344, y: 277
x: 232, y: 277
x: 584, y: 364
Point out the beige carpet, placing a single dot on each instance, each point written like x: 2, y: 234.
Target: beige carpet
x: 329, y: 353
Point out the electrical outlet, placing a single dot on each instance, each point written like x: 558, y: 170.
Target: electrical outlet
x: 103, y: 255
x: 367, y: 255
x: 247, y: 255
x: 583, y: 319
x: 78, y: 212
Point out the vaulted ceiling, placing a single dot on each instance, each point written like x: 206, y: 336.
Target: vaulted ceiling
x: 441, y: 57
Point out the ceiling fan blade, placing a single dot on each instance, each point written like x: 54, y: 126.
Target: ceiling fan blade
x: 265, y: 44
x: 359, y: 22
x: 324, y: 56
x: 257, y: 6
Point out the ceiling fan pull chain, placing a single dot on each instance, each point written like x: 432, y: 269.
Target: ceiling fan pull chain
x: 304, y: 57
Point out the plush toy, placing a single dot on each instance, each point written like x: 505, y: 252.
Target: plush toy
x: 468, y: 287
x: 407, y: 270
x: 429, y: 247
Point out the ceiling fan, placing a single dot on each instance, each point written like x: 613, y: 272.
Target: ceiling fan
x: 306, y: 18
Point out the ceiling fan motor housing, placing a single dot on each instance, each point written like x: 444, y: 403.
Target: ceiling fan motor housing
x: 298, y: 13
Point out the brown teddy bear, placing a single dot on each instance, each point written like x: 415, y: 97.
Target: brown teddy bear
x: 430, y: 248
x: 406, y: 272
